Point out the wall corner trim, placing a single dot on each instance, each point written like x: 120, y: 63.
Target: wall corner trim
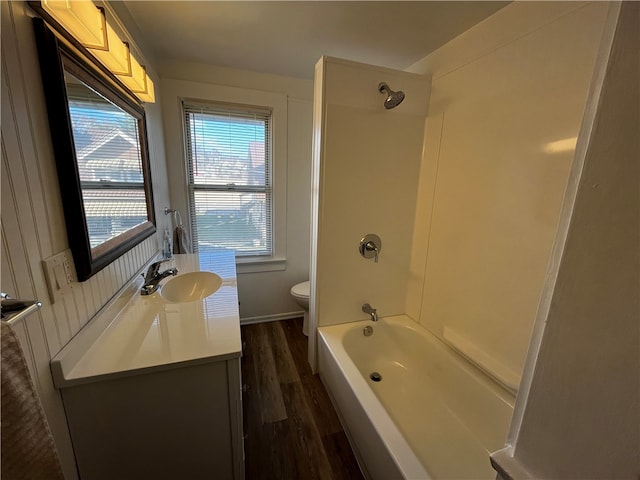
x: 507, y: 466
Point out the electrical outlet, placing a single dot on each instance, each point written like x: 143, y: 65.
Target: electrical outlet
x: 60, y: 274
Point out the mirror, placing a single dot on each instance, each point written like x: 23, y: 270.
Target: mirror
x: 99, y: 141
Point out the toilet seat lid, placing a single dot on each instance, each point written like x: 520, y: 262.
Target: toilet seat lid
x: 301, y: 289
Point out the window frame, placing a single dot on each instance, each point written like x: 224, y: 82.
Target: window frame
x: 189, y: 106
x: 176, y: 92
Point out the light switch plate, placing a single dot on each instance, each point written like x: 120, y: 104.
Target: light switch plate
x: 60, y: 274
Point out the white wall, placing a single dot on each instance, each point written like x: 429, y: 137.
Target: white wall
x: 490, y: 187
x: 581, y: 417
x: 33, y: 225
x: 263, y: 295
x: 366, y: 165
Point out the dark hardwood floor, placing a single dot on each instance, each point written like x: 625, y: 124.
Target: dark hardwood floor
x: 292, y: 430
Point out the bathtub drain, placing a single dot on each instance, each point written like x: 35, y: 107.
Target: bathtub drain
x: 375, y: 376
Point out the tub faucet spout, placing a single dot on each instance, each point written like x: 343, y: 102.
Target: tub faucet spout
x: 366, y: 308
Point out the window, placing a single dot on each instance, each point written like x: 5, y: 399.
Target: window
x: 229, y: 161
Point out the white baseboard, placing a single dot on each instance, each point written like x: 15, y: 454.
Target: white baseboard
x: 271, y: 318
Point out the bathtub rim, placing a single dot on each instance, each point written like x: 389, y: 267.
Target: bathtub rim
x: 504, y: 392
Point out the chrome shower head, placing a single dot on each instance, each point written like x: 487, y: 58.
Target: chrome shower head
x: 393, y: 98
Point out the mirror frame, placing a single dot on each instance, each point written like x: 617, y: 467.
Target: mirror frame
x: 56, y: 55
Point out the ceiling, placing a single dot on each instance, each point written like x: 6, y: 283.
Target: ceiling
x: 287, y: 38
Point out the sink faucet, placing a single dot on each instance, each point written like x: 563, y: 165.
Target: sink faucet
x: 366, y: 308
x: 153, y: 277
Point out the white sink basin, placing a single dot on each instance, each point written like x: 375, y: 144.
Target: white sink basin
x: 191, y: 286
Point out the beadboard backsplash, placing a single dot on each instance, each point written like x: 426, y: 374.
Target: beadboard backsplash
x: 33, y: 225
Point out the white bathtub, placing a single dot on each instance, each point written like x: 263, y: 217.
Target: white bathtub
x: 433, y: 414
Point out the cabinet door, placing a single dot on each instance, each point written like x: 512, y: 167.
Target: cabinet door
x: 176, y: 423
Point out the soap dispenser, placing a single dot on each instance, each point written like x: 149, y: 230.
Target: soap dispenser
x: 168, y: 247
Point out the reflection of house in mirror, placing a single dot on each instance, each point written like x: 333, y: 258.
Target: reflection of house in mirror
x: 109, y: 164
x: 113, y: 158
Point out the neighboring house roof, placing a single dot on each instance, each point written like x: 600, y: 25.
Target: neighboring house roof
x: 116, y: 141
x: 115, y: 152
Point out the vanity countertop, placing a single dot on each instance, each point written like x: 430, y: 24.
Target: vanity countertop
x: 136, y: 334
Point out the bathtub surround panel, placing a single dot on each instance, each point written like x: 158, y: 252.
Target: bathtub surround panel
x: 366, y: 165
x: 33, y: 225
x: 499, y: 145
x: 427, y: 179
x: 581, y: 416
x: 481, y: 39
x: 372, y: 170
x: 319, y: 88
x: 353, y: 84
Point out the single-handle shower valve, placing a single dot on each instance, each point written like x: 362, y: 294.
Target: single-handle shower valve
x: 370, y: 246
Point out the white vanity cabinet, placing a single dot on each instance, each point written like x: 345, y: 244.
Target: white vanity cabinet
x: 179, y: 423
x: 152, y: 389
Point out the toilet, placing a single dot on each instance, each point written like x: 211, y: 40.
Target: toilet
x: 300, y: 293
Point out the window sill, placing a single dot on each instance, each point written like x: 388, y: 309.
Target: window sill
x: 257, y: 264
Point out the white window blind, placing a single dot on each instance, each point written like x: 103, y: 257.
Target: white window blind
x: 106, y: 141
x: 228, y: 151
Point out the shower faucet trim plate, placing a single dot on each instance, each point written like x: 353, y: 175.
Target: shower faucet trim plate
x: 370, y: 246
